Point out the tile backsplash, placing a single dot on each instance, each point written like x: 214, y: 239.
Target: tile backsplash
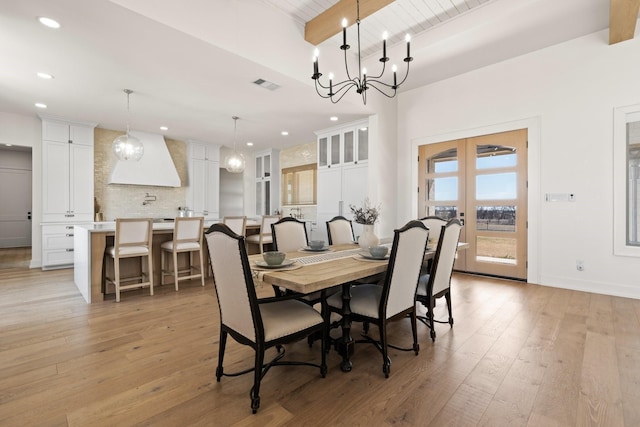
x: 118, y: 200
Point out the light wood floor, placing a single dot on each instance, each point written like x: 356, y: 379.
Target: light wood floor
x: 518, y: 355
x: 15, y: 257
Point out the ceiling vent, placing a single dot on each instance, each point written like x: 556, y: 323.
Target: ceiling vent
x: 266, y: 84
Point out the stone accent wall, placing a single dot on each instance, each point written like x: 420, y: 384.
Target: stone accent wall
x: 118, y: 200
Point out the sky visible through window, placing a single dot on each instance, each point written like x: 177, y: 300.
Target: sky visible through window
x: 495, y: 186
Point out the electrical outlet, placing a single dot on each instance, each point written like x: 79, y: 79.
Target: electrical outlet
x: 579, y: 265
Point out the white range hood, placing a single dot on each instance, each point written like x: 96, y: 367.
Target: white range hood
x: 154, y: 168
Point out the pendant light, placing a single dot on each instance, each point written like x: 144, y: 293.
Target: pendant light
x: 127, y: 147
x: 235, y: 162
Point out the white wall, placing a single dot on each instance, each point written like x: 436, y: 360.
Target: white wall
x: 26, y: 131
x: 565, y: 95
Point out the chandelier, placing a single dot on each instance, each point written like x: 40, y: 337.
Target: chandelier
x: 127, y: 147
x: 361, y: 82
x: 235, y: 162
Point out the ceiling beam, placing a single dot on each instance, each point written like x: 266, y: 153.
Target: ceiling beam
x: 329, y: 22
x: 623, y: 15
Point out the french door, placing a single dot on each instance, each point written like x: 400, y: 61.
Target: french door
x: 483, y: 182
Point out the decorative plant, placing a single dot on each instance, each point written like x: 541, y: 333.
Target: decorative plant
x: 366, y: 214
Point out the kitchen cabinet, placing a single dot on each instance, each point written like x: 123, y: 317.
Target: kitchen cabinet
x: 342, y: 172
x: 203, y: 195
x: 267, y: 181
x: 67, y: 187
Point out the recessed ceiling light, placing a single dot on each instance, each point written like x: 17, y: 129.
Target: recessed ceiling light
x: 9, y: 145
x: 164, y: 128
x: 250, y: 144
x: 40, y: 105
x: 334, y: 119
x: 45, y: 76
x: 363, y: 129
x: 48, y: 22
x: 285, y: 133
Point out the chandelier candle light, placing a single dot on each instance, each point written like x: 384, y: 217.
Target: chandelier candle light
x: 362, y: 82
x: 235, y: 162
x: 127, y: 147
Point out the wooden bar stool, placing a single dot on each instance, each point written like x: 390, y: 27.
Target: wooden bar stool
x: 133, y: 239
x: 187, y: 237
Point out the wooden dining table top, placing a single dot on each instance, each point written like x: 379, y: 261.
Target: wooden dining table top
x: 323, y: 275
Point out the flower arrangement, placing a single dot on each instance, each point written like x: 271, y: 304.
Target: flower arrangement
x: 366, y: 214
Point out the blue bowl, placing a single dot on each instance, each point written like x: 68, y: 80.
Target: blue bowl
x: 378, y: 251
x: 273, y: 257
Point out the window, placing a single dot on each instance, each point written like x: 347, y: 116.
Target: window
x: 299, y: 185
x: 627, y: 181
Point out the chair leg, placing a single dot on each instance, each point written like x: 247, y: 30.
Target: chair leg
x: 150, y: 273
x: 201, y: 266
x: 257, y: 376
x: 431, y: 322
x: 447, y: 296
x: 175, y: 269
x: 221, y: 346
x: 386, y: 362
x: 163, y: 265
x: 414, y: 330
x: 116, y: 279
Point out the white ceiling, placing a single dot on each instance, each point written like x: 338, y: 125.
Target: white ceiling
x: 191, y: 63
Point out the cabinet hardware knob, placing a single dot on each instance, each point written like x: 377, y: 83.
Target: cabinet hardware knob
x: 70, y: 250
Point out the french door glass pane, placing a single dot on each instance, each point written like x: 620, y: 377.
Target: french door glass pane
x: 495, y: 156
x: 445, y: 161
x: 496, y: 218
x: 496, y: 249
x: 267, y: 197
x: 267, y: 165
x: 445, y: 212
x: 499, y: 186
x: 441, y: 189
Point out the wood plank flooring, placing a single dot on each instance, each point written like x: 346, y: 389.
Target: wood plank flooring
x: 518, y: 355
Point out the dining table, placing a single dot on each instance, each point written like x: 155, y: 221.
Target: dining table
x: 306, y: 271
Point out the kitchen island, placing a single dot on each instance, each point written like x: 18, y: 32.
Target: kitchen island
x: 90, y: 242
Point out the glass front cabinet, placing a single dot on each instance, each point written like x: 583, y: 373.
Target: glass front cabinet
x: 267, y: 176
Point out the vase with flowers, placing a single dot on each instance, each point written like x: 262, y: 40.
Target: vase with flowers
x: 367, y: 215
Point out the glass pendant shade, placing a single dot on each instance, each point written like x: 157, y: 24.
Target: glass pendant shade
x: 234, y: 162
x: 127, y: 147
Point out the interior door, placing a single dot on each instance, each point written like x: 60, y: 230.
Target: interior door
x: 15, y: 211
x: 481, y: 181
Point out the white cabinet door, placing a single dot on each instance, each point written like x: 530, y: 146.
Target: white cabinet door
x: 55, y: 131
x: 212, y: 189
x: 81, y: 135
x: 198, y: 178
x: 55, y: 181
x: 81, y: 180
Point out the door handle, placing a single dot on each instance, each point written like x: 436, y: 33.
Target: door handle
x: 29, y: 216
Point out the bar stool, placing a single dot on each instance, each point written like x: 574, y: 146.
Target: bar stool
x: 265, y: 236
x: 237, y: 224
x: 187, y: 237
x: 133, y: 239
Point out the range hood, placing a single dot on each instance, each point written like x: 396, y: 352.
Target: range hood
x: 154, y: 168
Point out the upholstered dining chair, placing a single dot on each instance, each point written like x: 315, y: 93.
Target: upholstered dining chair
x: 289, y: 234
x: 133, y: 239
x: 237, y: 224
x: 257, y: 323
x: 265, y: 237
x: 340, y: 230
x: 434, y: 224
x: 437, y: 283
x: 187, y: 238
x: 397, y: 297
